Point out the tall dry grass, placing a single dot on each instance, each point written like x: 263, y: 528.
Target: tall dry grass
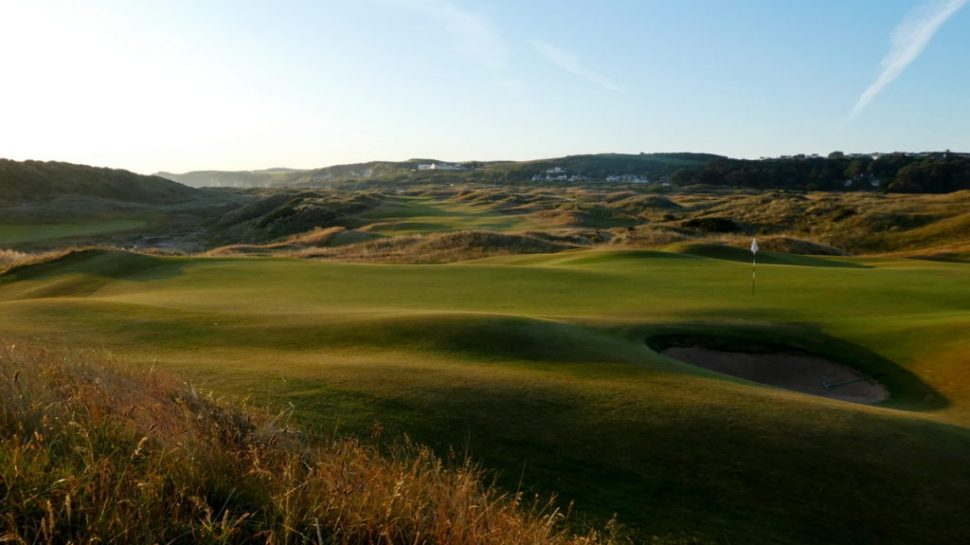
x: 90, y: 454
x: 12, y: 258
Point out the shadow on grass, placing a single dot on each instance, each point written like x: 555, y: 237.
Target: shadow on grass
x: 730, y: 253
x: 83, y: 272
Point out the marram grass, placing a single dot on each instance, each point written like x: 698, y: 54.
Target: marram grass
x: 90, y: 454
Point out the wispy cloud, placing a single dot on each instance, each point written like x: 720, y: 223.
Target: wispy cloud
x: 908, y: 40
x: 567, y: 61
x: 478, y: 36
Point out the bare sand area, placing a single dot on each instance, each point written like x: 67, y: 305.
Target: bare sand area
x: 800, y: 372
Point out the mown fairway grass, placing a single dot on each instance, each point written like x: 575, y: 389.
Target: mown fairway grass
x: 538, y: 367
x: 415, y: 215
x: 21, y: 232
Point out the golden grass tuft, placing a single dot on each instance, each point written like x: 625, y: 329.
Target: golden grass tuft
x: 647, y: 236
x: 91, y: 454
x: 10, y: 259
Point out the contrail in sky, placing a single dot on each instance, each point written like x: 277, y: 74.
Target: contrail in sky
x: 570, y: 63
x: 909, y: 38
x: 480, y: 38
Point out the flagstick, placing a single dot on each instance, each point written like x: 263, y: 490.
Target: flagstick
x: 754, y: 262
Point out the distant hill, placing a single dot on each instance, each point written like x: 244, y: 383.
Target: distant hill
x: 234, y: 178
x: 652, y: 166
x: 30, y: 180
x: 582, y: 167
x: 926, y: 172
x: 282, y: 177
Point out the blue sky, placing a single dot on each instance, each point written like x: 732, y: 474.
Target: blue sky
x: 242, y: 85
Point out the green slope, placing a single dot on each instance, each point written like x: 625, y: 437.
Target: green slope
x: 539, y: 367
x: 21, y: 232
x: 33, y: 180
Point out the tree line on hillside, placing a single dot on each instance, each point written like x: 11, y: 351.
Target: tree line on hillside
x: 652, y: 166
x: 941, y: 172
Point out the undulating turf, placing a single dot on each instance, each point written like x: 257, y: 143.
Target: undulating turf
x: 411, y: 215
x: 21, y: 232
x: 539, y: 367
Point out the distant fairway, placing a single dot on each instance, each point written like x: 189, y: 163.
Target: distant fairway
x: 25, y: 232
x: 409, y: 215
x: 539, y: 367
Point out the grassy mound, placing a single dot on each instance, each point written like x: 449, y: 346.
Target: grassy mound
x: 712, y: 225
x: 445, y: 247
x: 287, y: 214
x: 32, y: 180
x: 956, y: 253
x: 11, y: 259
x: 81, y: 272
x: 648, y: 237
x: 790, y: 245
x: 89, y: 454
x: 317, y: 238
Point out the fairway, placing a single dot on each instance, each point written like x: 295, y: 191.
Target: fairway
x: 539, y: 367
x: 411, y: 215
x: 26, y: 232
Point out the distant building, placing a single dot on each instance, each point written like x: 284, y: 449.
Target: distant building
x: 631, y: 178
x: 440, y: 166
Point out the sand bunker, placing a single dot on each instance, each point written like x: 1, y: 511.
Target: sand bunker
x: 800, y: 372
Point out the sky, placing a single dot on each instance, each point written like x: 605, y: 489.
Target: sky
x: 235, y: 85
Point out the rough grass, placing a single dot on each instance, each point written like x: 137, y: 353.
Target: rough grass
x: 10, y: 259
x: 317, y: 238
x: 282, y: 221
x: 89, y: 454
x: 933, y: 226
x: 444, y: 247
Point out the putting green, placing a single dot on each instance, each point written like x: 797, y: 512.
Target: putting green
x: 538, y: 366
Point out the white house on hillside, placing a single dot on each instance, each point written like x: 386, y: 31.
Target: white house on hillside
x: 440, y: 166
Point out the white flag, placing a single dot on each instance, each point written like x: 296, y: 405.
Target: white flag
x: 754, y: 246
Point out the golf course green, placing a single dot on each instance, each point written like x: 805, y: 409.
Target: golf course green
x: 547, y: 370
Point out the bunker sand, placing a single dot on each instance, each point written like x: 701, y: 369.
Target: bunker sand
x: 800, y: 372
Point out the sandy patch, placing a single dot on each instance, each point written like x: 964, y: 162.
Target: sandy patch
x: 799, y: 372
